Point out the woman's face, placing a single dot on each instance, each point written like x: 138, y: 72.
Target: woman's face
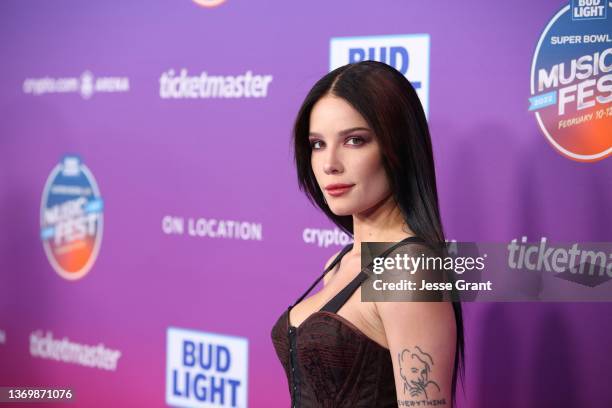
x: 346, y: 151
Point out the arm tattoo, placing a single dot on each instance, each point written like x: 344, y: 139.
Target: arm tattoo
x: 415, y: 367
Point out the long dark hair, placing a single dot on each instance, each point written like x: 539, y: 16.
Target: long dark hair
x: 391, y: 107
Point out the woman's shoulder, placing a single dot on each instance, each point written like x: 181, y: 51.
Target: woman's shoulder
x: 329, y: 274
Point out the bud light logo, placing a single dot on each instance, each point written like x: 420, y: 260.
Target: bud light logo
x: 409, y: 54
x: 206, y: 369
x: 71, y: 218
x: 571, y: 81
x: 589, y: 9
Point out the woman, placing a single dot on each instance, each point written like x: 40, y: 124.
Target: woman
x: 363, y: 155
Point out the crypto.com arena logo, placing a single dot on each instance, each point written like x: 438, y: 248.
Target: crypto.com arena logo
x: 571, y: 83
x: 86, y: 85
x: 71, y: 218
x: 209, y: 3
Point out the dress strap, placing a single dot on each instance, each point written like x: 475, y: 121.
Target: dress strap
x: 329, y: 268
x: 341, y: 297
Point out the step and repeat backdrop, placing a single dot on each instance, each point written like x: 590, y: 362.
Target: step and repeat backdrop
x: 152, y: 227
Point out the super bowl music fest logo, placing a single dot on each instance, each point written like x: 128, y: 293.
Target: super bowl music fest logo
x: 571, y: 83
x: 206, y: 369
x: 71, y: 218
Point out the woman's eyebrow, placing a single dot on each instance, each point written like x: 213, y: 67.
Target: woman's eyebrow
x: 341, y: 133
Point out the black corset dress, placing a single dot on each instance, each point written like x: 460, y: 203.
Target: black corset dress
x: 328, y: 361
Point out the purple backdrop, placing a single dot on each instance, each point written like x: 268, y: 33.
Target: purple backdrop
x: 230, y: 159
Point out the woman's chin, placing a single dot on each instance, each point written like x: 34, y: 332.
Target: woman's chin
x: 341, y: 210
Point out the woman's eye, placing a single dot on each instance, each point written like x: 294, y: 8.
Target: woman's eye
x: 358, y: 140
x: 354, y: 141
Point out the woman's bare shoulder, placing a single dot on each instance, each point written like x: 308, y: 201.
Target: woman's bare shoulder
x: 329, y: 274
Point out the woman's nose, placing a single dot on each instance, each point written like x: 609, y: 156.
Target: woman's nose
x: 332, y: 163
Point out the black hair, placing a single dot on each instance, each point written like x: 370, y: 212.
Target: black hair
x: 390, y: 105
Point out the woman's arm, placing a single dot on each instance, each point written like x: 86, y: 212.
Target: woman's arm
x: 421, y: 338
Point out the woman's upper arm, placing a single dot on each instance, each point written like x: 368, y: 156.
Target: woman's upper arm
x: 421, y: 336
x: 421, y: 339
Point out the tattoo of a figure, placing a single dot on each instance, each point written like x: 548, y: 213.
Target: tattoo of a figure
x: 415, y: 369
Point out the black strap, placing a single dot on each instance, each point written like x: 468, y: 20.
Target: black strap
x: 337, y: 301
x: 329, y: 268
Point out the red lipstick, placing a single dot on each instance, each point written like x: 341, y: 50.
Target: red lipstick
x: 338, y: 189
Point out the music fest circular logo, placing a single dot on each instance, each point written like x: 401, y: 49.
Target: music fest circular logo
x: 571, y: 80
x: 71, y: 218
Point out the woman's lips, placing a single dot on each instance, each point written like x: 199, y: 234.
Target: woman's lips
x: 336, y: 191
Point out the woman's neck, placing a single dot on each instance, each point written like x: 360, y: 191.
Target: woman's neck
x: 382, y: 223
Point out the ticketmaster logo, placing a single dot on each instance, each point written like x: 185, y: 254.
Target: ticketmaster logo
x: 247, y: 85
x: 67, y: 351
